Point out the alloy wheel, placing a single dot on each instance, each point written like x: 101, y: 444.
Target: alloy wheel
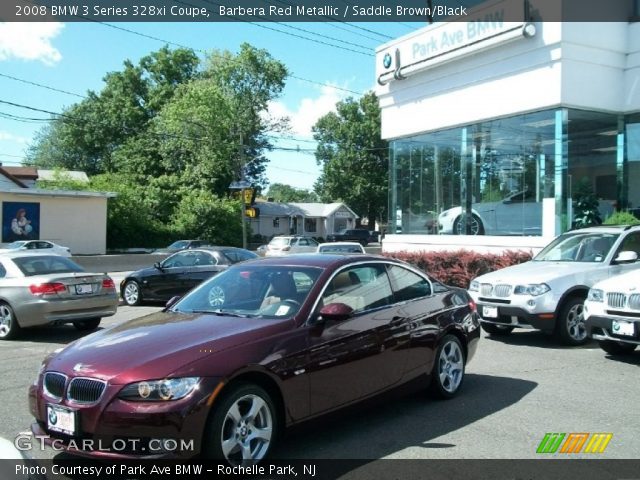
x: 131, y: 293
x: 6, y: 321
x: 575, y: 323
x: 247, y: 430
x: 451, y: 366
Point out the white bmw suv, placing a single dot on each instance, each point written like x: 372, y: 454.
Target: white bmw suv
x: 548, y: 293
x: 612, y: 312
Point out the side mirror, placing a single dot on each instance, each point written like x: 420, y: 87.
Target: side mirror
x: 336, y: 311
x: 172, y: 301
x: 157, y: 265
x: 626, y: 256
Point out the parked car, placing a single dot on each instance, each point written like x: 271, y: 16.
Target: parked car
x: 180, y: 245
x: 353, y: 235
x: 41, y: 246
x: 340, y: 247
x: 179, y: 273
x: 40, y: 289
x: 517, y: 214
x: 548, y: 293
x: 263, y: 345
x: 612, y: 311
x: 288, y: 244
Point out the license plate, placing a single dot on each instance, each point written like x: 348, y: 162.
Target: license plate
x: 84, y: 289
x: 489, y: 312
x: 60, y: 419
x: 620, y: 327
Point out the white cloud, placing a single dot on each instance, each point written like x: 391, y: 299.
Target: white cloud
x: 30, y: 41
x: 10, y: 137
x: 309, y: 110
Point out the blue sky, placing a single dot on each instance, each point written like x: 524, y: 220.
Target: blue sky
x: 75, y: 57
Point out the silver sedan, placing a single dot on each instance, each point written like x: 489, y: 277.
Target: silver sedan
x: 38, y: 289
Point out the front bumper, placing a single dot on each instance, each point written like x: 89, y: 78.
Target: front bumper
x: 599, y: 328
x: 115, y: 429
x: 514, y: 316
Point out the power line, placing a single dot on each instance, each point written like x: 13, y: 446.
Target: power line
x: 158, y: 39
x: 41, y: 85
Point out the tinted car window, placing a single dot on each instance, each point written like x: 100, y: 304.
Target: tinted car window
x: 3, y: 271
x: 42, y: 265
x: 361, y: 288
x: 182, y: 259
x: 631, y: 243
x: 408, y: 285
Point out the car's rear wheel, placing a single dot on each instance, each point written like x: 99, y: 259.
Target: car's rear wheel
x: 448, y: 368
x: 616, y: 348
x: 87, y: 325
x: 476, y: 226
x: 131, y: 293
x: 242, y: 427
x: 9, y: 326
x: 570, y: 327
x: 493, y: 329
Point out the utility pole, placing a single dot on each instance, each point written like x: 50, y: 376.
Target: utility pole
x: 242, y: 201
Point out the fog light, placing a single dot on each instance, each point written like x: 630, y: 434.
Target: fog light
x: 531, y: 303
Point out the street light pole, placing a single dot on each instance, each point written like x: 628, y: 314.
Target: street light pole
x: 243, y: 209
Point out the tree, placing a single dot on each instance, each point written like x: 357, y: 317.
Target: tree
x: 354, y: 158
x: 286, y: 193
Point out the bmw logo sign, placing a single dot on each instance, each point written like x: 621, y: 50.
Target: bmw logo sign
x: 386, y: 61
x: 53, y: 417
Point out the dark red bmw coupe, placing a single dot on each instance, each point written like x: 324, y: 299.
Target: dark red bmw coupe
x: 261, y: 346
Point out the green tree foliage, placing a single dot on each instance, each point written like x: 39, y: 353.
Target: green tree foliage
x: 354, y: 159
x: 622, y: 218
x: 286, y: 193
x: 167, y: 133
x: 200, y: 215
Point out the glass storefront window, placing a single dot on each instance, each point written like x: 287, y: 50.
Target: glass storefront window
x: 522, y: 175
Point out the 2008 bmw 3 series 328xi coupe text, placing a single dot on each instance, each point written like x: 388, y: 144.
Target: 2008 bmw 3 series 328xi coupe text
x: 259, y: 347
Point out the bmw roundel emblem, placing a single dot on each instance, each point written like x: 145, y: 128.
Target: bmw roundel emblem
x: 53, y: 417
x: 386, y: 61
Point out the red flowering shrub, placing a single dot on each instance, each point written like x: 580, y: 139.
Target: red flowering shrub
x: 460, y: 267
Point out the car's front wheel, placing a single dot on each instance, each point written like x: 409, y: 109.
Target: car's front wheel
x: 493, y: 329
x: 616, y: 348
x: 131, y: 293
x: 571, y: 329
x: 476, y: 227
x: 448, y: 368
x: 87, y: 325
x: 9, y: 326
x: 242, y: 427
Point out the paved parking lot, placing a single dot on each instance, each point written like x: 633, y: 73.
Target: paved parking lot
x: 517, y: 389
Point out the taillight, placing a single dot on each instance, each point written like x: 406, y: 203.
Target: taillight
x: 108, y: 283
x: 47, y: 288
x: 473, y: 306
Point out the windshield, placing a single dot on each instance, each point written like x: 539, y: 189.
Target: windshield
x: 341, y: 249
x: 43, y: 265
x: 252, y: 291
x: 279, y: 241
x: 14, y: 245
x: 179, y: 245
x: 578, y: 247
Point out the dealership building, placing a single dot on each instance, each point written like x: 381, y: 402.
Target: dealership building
x: 500, y: 125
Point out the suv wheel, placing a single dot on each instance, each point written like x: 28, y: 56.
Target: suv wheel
x: 493, y: 329
x: 616, y: 348
x: 570, y: 326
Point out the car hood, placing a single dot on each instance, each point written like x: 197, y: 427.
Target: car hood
x: 156, y: 345
x: 624, y: 283
x: 537, y: 272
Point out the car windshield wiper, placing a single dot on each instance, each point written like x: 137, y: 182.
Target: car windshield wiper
x: 222, y: 313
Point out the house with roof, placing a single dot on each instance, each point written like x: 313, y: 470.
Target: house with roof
x: 75, y: 219
x: 309, y: 219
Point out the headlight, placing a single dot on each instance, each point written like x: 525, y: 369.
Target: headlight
x: 159, y: 390
x: 596, y: 295
x: 533, y: 289
x: 474, y: 286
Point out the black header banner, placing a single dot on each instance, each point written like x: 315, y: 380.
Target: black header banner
x: 426, y: 11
